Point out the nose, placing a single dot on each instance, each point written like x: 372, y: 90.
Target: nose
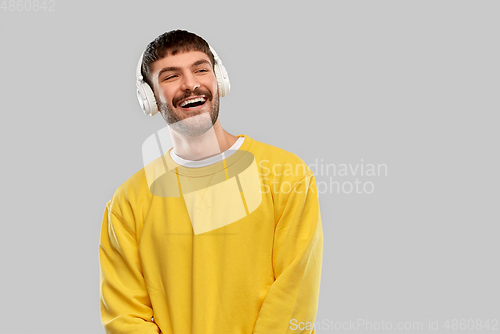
x: 189, y: 82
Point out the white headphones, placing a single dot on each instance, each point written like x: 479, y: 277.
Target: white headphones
x: 146, y: 96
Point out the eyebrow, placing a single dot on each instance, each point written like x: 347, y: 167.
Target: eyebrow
x: 173, y: 68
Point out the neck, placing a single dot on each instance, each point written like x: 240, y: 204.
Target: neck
x: 215, y: 141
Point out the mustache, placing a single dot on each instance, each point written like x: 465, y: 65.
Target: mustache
x: 195, y: 92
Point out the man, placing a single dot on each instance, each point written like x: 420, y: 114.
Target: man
x: 222, y: 234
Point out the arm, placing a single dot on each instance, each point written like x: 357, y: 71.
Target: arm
x: 125, y: 304
x: 297, y: 257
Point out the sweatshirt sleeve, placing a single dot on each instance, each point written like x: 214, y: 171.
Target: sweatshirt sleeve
x: 292, y: 301
x: 125, y: 305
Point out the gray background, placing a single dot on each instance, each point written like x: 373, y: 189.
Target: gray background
x: 410, y: 84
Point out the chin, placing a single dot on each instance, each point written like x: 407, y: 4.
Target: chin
x: 194, y: 125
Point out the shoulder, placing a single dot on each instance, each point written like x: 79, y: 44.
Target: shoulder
x: 130, y: 195
x: 279, y: 162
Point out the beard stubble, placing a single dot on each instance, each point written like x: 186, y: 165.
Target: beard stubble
x: 193, y: 125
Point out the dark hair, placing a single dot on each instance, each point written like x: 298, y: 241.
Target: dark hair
x: 172, y: 42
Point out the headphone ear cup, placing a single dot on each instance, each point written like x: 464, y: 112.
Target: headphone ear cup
x: 222, y: 79
x: 220, y: 74
x: 227, y: 84
x: 147, y: 99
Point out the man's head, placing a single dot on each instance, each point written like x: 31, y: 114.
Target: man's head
x: 179, y: 67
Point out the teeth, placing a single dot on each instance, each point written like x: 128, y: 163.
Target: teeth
x: 198, y: 99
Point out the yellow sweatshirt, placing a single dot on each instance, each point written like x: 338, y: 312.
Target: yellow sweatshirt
x: 234, y: 247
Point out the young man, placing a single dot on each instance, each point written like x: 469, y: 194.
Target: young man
x: 223, y: 233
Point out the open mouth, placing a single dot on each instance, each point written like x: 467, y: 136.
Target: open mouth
x: 193, y: 102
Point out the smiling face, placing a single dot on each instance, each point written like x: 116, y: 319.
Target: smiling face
x: 185, y: 86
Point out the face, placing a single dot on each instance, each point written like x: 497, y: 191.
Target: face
x: 186, y: 90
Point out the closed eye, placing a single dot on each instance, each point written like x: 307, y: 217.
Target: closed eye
x: 169, y: 77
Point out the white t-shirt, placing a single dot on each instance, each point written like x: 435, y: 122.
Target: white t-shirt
x: 208, y: 161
